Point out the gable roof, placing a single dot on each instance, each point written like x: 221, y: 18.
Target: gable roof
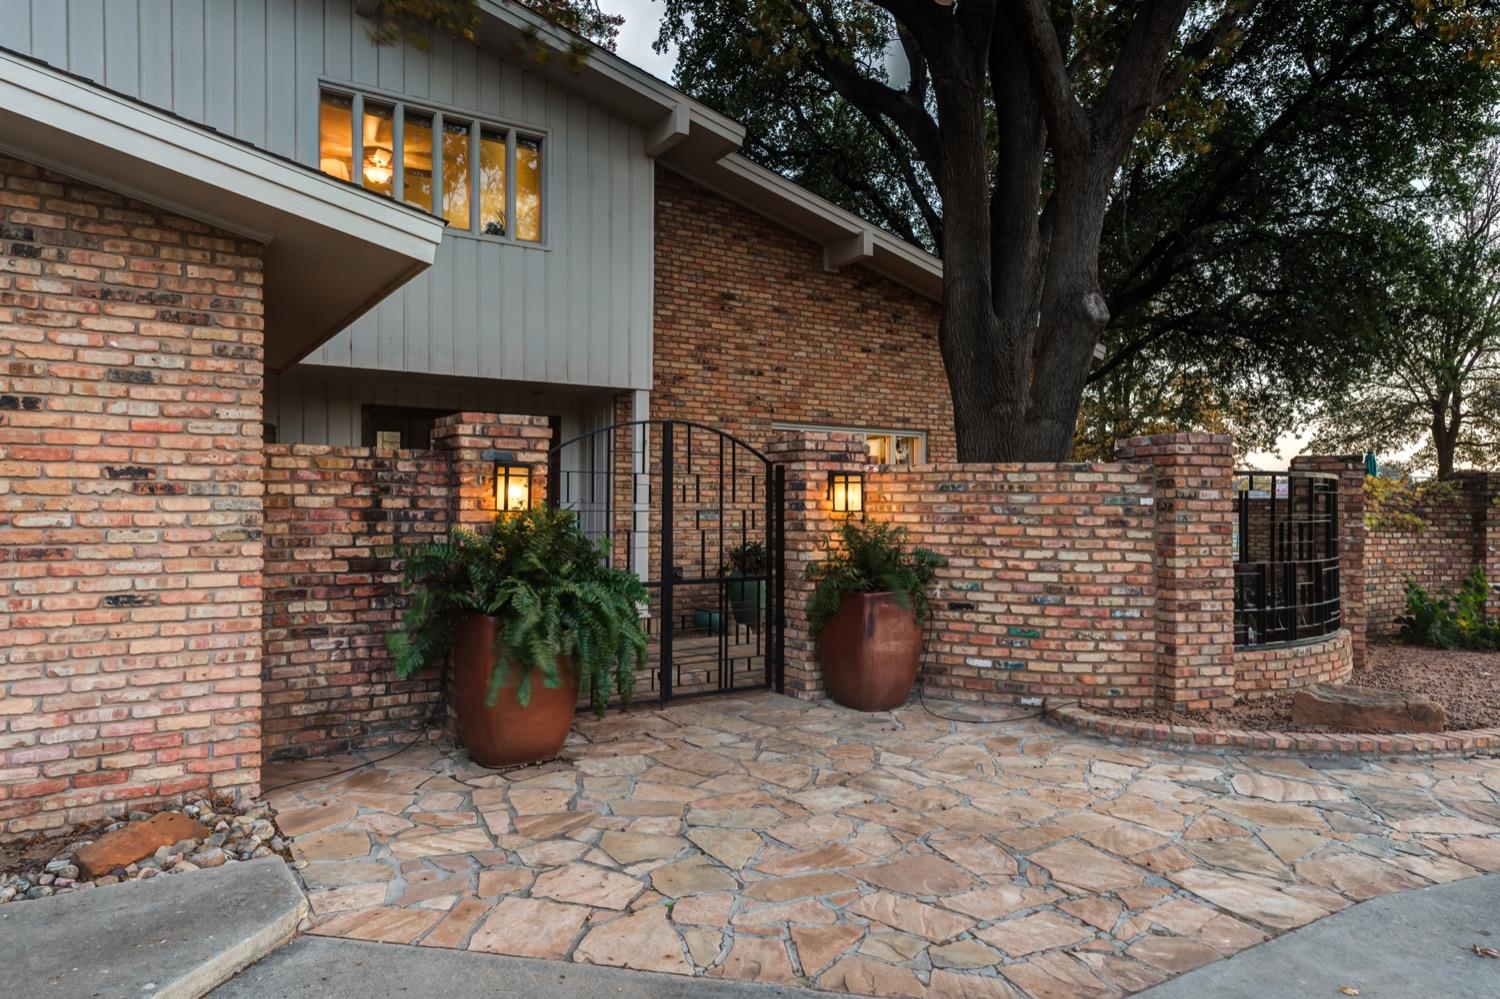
x: 703, y: 144
x: 332, y: 249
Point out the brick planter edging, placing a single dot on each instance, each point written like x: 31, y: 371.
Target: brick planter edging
x: 1325, y: 743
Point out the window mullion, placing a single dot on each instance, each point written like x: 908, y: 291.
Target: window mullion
x: 474, y: 181
x: 357, y: 139
x: 398, y: 151
x: 510, y: 183
x: 439, y: 208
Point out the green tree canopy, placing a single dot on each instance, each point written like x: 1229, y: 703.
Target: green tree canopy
x: 1242, y: 226
x: 1432, y: 375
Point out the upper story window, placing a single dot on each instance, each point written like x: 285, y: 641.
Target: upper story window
x: 482, y: 177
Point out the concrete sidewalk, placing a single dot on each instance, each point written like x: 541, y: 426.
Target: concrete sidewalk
x: 172, y: 937
x: 1416, y: 944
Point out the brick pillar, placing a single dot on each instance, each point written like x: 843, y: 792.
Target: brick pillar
x: 475, y: 443
x: 1350, y: 468
x: 1194, y: 476
x: 809, y: 455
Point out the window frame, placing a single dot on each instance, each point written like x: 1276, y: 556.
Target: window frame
x: 476, y: 122
x: 867, y: 432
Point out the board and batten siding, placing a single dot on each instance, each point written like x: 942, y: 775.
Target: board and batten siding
x: 576, y: 311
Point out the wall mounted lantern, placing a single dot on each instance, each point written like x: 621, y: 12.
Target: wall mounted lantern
x: 512, y: 488
x: 846, y: 492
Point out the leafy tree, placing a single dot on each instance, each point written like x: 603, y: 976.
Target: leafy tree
x: 410, y: 19
x: 1235, y: 228
x: 1433, y: 377
x: 1251, y: 258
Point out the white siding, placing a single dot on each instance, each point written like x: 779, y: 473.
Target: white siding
x: 576, y: 312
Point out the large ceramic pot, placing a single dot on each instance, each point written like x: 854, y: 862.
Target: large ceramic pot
x: 506, y: 733
x: 747, y: 599
x: 870, y: 652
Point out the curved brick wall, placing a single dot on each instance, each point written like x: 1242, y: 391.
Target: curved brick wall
x: 1265, y: 671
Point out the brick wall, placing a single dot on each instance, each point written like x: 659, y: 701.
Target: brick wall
x: 335, y: 520
x: 130, y: 504
x: 1262, y: 672
x: 334, y: 517
x: 1050, y: 586
x: 751, y: 330
x: 1457, y: 527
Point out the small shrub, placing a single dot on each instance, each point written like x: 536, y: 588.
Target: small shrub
x: 1450, y: 620
x: 872, y: 558
x: 748, y: 559
x: 1393, y: 504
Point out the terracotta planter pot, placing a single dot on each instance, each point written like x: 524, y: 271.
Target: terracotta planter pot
x: 507, y: 733
x: 870, y: 652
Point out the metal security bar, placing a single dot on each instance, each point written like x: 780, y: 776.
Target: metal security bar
x: 1286, y: 556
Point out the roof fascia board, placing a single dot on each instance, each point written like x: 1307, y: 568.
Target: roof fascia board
x: 56, y: 100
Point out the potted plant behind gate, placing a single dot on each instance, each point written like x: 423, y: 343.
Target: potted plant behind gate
x: 868, y: 606
x: 747, y: 597
x: 532, y: 615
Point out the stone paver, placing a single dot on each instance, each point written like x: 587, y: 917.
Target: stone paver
x: 764, y: 839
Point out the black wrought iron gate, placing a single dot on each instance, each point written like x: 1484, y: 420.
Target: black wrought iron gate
x: 697, y: 513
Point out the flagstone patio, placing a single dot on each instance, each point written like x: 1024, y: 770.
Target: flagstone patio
x: 763, y: 838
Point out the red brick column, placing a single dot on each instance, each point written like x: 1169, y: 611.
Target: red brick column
x: 130, y: 504
x: 1350, y: 468
x: 475, y: 443
x: 808, y: 457
x: 1194, y: 566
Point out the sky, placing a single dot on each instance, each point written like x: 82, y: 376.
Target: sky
x: 642, y: 18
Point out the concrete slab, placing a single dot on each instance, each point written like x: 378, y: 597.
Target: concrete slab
x: 1415, y: 944
x: 327, y: 968
x: 173, y: 937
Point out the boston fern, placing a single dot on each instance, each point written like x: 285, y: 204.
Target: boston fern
x: 872, y: 558
x: 551, y: 594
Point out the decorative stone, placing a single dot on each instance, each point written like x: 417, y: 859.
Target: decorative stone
x: 137, y: 841
x: 817, y: 946
x: 757, y: 959
x: 965, y: 954
x: 926, y: 876
x: 802, y: 886
x: 731, y: 847
x: 1074, y: 863
x: 1029, y: 934
x: 631, y: 848
x: 643, y: 941
x: 529, y: 927
x: 691, y: 877
x: 1363, y: 709
x: 584, y: 884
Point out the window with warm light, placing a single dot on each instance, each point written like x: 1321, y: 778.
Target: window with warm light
x: 483, y: 178
x: 885, y: 447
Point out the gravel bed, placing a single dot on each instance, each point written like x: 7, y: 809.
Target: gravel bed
x: 1466, y: 684
x: 43, y: 865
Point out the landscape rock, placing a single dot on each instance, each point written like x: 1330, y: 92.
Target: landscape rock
x: 1364, y: 709
x: 137, y: 841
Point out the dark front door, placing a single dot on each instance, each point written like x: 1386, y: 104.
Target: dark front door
x: 697, y: 513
